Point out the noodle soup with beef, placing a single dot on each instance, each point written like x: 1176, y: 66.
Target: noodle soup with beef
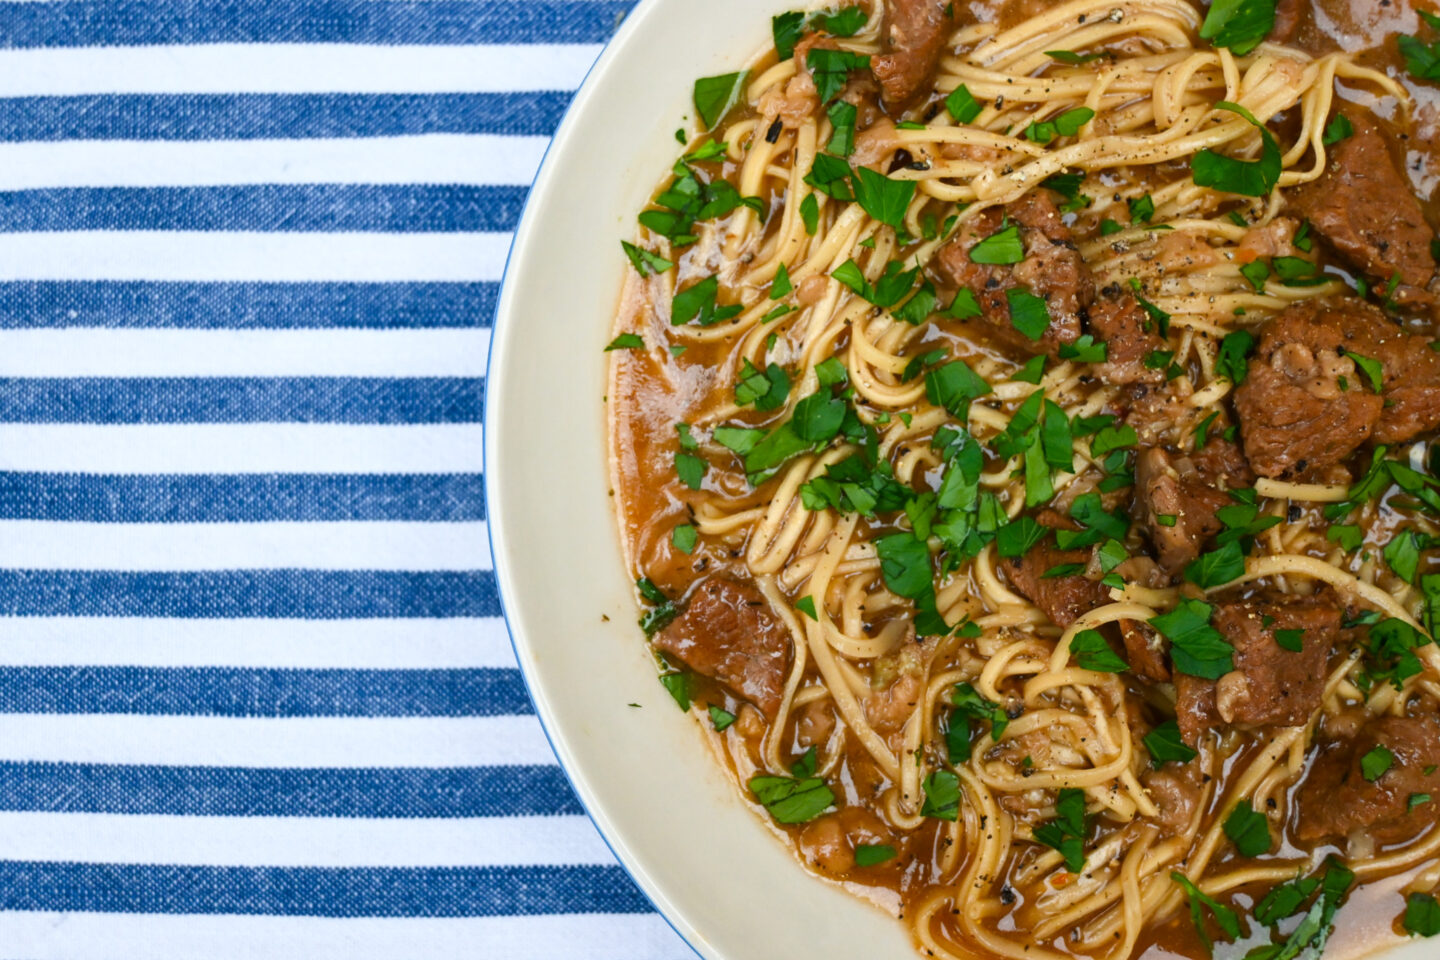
x: 1022, y: 422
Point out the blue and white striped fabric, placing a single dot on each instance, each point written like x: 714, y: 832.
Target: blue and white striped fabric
x: 258, y: 701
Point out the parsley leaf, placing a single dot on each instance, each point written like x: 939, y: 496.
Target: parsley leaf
x: 1422, y: 60
x: 810, y: 213
x: 1238, y: 24
x: 1217, y: 566
x: 1376, y: 763
x: 1249, y: 178
x: 683, y: 537
x: 1001, y: 247
x: 697, y: 302
x: 1374, y: 372
x: 626, y: 341
x: 792, y: 799
x: 1248, y: 830
x: 720, y: 718
x: 1196, y: 647
x: 1166, y: 746
x: 1067, y: 832
x: 830, y: 69
x: 844, y: 23
x: 953, y: 386
x: 1028, y: 313
x: 942, y: 795
x: 645, y: 262
x: 1224, y: 916
x: 787, y: 29
x: 1230, y: 362
x: 842, y: 117
x: 767, y: 390
x: 883, y: 198
x: 961, y: 105
x: 870, y: 854
x: 1092, y: 652
x: 1422, y: 915
x: 714, y: 96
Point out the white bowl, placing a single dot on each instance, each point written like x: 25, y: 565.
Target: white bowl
x: 672, y: 816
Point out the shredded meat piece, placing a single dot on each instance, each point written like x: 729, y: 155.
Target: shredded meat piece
x: 914, y: 36
x: 1272, y: 240
x: 1186, y: 501
x: 1052, y: 269
x: 1145, y: 650
x: 1306, y: 404
x: 728, y: 632
x: 1337, y: 799
x: 1270, y: 686
x: 1118, y: 319
x: 1363, y: 206
x: 1176, y: 790
x: 828, y: 843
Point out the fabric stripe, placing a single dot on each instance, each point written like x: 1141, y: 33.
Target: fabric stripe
x: 311, y: 545
x: 288, y: 841
x: 113, y: 936
x: 315, y: 891
x: 428, y: 158
x: 181, y: 448
x: 137, y: 22
x: 212, y: 791
x: 198, y: 255
x: 133, y: 303
x: 390, y: 208
x: 119, y: 498
x: 227, y: 692
x: 231, y: 68
x: 242, y: 116
x: 303, y: 594
x: 81, y: 352
x: 373, y: 644
x: 326, y: 742
x: 242, y: 400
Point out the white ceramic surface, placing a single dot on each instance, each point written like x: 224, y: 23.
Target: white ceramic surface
x: 671, y: 816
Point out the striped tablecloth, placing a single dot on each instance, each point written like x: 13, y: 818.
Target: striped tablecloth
x: 257, y: 698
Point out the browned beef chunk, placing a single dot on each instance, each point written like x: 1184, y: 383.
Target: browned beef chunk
x: 1336, y: 799
x: 1412, y: 381
x: 1363, y: 206
x: 1295, y: 413
x: 1220, y: 462
x: 1145, y: 650
x: 1177, y: 791
x: 728, y: 632
x: 1270, y: 686
x: 1176, y: 504
x: 1123, y: 325
x: 914, y: 36
x: 1052, y: 269
x: 1287, y: 20
x: 1194, y: 707
x: 1063, y: 599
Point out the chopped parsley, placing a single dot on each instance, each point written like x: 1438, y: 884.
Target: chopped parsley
x: 883, y: 198
x: 697, y: 302
x: 1001, y: 247
x: 1372, y: 368
x: 810, y: 213
x: 1199, y: 902
x: 1422, y: 915
x: 1033, y: 370
x: 942, y: 795
x: 1028, y: 313
x: 806, y: 605
x: 870, y: 854
x: 1142, y: 210
x: 714, y: 96
x: 842, y: 118
x: 830, y: 69
x: 1066, y: 833
x: 787, y: 29
x: 720, y: 718
x: 1256, y: 272
x: 1291, y: 640
x: 767, y: 389
x: 797, y: 799
x: 962, y: 106
x: 1248, y: 830
x: 626, y: 341
x: 1238, y: 24
x: 1376, y: 763
x: 645, y: 262
x: 662, y: 609
x: 970, y: 707
x: 1422, y: 59
x: 1073, y: 58
x: 1166, y: 746
x: 1067, y: 124
x: 1231, y: 361
x: 683, y: 537
x: 1092, y: 652
x: 1196, y: 647
x: 1249, y: 178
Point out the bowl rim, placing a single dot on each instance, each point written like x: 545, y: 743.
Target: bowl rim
x: 498, y: 531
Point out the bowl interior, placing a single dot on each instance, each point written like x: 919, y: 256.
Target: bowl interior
x: 638, y: 764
